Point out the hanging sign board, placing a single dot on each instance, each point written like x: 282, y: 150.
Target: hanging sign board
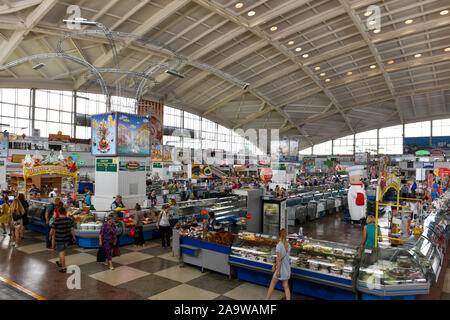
x: 439, y: 172
x: 106, y: 165
x: 392, y: 181
x: 428, y: 165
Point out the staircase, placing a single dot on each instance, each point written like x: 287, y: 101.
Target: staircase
x: 217, y: 172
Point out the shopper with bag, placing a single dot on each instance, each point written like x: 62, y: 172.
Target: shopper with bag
x: 282, y: 266
x: 139, y: 226
x: 163, y: 225
x: 108, y: 238
x: 16, y: 212
x: 25, y: 206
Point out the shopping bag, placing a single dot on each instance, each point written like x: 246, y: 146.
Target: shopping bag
x: 101, y: 254
x: 116, y: 251
x: 132, y: 232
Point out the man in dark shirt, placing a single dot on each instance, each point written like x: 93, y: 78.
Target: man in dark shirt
x: 62, y: 229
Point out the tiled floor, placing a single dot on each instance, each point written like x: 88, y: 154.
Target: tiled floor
x: 140, y: 273
x: 8, y: 292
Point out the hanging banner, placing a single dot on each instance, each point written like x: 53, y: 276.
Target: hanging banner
x: 133, y: 135
x: 438, y: 144
x: 167, y: 153
x: 428, y: 165
x: 59, y: 137
x: 157, y: 153
x: 4, y: 140
x: 201, y: 171
x: 103, y: 134
x: 155, y: 112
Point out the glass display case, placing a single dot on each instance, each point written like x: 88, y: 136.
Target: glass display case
x: 391, y: 272
x: 430, y: 259
x: 254, y: 248
x: 325, y: 257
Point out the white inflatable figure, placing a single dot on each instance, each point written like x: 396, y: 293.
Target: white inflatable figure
x: 60, y: 156
x: 357, y: 200
x: 28, y: 161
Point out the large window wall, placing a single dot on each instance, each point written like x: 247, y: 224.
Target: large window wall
x: 70, y: 112
x: 380, y: 141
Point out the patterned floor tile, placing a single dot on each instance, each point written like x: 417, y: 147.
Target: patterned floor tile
x: 51, y: 254
x: 95, y: 267
x: 222, y: 298
x: 148, y: 244
x: 215, y: 282
x: 77, y: 259
x: 445, y: 296
x: 156, y: 251
x: 153, y: 265
x: 169, y: 256
x: 119, y: 275
x: 185, y: 292
x: 176, y: 273
x: 150, y: 285
x: 250, y: 291
x: 132, y: 257
x: 32, y: 248
x: 122, y: 251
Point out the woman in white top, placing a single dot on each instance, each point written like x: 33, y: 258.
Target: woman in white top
x: 163, y: 225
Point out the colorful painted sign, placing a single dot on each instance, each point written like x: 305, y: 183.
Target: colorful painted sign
x: 104, y: 127
x: 131, y: 166
x: 155, y: 112
x: 439, y: 172
x: 392, y: 181
x: 4, y: 141
x: 133, y: 135
x: 58, y: 137
x: 106, y: 165
x: 157, y: 153
x: 200, y: 171
x: 41, y: 170
x: 411, y: 145
x: 428, y: 165
x: 437, y: 153
x: 422, y: 153
x: 157, y: 165
x: 266, y: 174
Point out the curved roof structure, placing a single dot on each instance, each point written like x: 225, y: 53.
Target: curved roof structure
x: 319, y: 69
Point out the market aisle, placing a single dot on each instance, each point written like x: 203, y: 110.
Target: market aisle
x: 151, y: 272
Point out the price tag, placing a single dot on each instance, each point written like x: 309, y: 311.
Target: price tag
x: 249, y: 216
x: 204, y: 212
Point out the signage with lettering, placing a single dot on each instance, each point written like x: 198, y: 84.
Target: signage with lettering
x: 428, y: 165
x: 106, y: 165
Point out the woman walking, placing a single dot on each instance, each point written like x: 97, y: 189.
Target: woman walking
x: 16, y: 212
x: 163, y: 225
x: 4, y: 214
x: 108, y: 238
x: 283, y: 266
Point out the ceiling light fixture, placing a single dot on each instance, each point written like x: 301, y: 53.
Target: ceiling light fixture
x: 298, y: 49
x: 373, y: 66
x: 38, y: 66
x: 274, y: 28
x: 443, y: 12
x: 372, y: 22
x: 390, y: 62
x: 327, y: 80
x: 349, y: 73
x: 174, y: 73
x: 409, y: 21
x: 368, y: 13
x: 376, y: 31
x: 317, y: 68
x: 238, y: 5
x: 447, y: 49
x: 80, y: 21
x: 417, y: 55
x: 305, y: 55
x: 251, y: 13
x: 291, y: 43
x: 323, y: 74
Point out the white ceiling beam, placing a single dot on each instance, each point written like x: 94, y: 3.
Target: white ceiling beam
x: 358, y: 24
x: 30, y: 21
x: 128, y: 14
x: 286, y: 7
x: 308, y: 23
x: 145, y: 27
x: 223, y: 101
x: 12, y: 7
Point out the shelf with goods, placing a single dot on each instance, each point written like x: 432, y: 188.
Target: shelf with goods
x: 210, y: 250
